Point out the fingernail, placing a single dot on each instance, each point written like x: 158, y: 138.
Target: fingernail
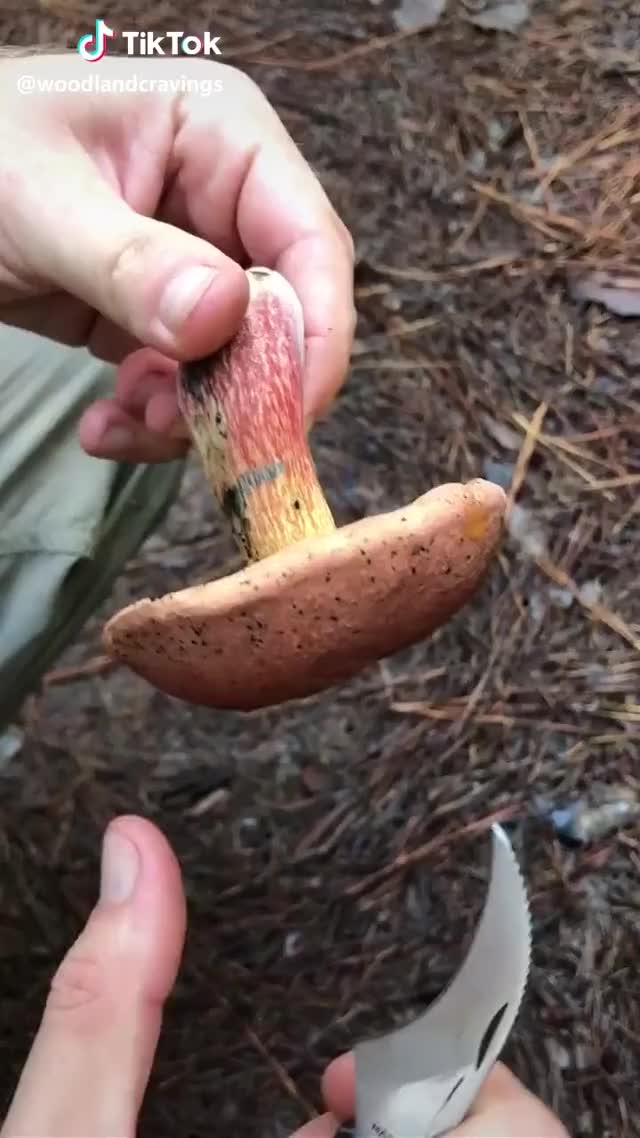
x: 182, y: 294
x: 117, y: 438
x: 120, y: 866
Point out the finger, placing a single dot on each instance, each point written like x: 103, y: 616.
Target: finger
x: 339, y: 1086
x: 146, y: 386
x: 322, y: 274
x: 325, y: 1126
x: 504, y: 1108
x: 139, y: 372
x: 263, y: 190
x: 163, y: 286
x: 142, y: 423
x: 338, y: 1090
x: 91, y: 1058
x: 285, y: 220
x: 107, y: 430
x: 59, y: 316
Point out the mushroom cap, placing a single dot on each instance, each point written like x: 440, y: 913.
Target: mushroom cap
x: 318, y: 612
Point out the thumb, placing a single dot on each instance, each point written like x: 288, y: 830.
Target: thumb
x: 90, y: 1062
x: 505, y: 1108
x: 169, y: 289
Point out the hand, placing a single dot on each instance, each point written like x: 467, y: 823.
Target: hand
x: 125, y: 220
x: 89, y: 1065
x: 503, y: 1109
x: 90, y: 1062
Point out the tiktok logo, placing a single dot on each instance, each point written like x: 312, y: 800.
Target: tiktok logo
x: 92, y: 47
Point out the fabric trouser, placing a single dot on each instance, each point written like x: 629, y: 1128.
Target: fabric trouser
x: 68, y: 522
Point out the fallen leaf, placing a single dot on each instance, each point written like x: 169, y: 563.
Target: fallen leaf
x: 414, y: 15
x: 619, y: 294
x: 62, y: 7
x: 502, y: 17
x: 213, y: 801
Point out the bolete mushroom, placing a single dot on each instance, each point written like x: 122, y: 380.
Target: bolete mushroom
x: 315, y: 604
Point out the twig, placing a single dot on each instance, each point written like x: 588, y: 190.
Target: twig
x: 451, y: 714
x: 378, y: 43
x: 334, y: 823
x: 408, y: 859
x: 282, y: 1076
x: 487, y: 265
x: 562, y: 449
x: 527, y: 450
x: 470, y: 228
x: 615, y: 483
x: 569, y: 349
x: 605, y: 139
x: 534, y: 153
x: 362, y: 292
x: 96, y: 666
x: 244, y: 50
x: 547, y: 220
x: 598, y: 612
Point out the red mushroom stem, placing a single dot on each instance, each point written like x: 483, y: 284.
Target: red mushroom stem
x: 243, y: 406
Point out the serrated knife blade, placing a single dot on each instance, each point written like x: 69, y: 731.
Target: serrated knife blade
x: 421, y: 1080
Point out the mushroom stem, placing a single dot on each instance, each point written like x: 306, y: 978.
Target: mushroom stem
x: 243, y: 407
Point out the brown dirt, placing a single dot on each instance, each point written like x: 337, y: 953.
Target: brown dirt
x: 471, y: 357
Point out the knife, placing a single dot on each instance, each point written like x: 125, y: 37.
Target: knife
x: 421, y: 1080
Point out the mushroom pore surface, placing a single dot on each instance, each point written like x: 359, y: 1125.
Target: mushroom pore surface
x: 316, y: 613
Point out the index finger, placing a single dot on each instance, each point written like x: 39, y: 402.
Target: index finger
x: 287, y: 222
x: 262, y: 198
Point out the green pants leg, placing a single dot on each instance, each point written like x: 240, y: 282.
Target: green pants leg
x: 68, y: 522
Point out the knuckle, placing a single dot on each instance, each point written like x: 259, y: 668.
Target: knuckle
x: 128, y: 257
x: 78, y: 991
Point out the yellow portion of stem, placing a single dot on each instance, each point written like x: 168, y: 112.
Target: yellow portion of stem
x: 268, y: 507
x: 276, y: 512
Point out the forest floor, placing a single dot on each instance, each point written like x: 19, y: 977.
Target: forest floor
x: 485, y: 176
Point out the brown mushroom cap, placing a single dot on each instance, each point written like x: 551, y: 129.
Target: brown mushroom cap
x: 316, y: 613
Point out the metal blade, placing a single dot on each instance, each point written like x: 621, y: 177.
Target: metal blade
x: 421, y: 1080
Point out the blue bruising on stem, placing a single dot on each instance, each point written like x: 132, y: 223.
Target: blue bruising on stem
x: 235, y: 500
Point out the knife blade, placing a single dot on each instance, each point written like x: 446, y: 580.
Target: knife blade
x: 420, y: 1080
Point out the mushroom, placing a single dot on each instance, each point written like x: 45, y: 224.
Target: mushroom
x: 315, y: 604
